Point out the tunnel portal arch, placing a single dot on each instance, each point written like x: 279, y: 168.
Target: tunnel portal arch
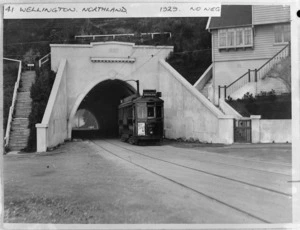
x: 102, y: 101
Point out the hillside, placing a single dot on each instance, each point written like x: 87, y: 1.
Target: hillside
x: 29, y: 39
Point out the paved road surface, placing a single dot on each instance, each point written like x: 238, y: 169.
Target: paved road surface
x: 108, y: 181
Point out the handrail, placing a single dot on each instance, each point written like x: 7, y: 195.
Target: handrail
x: 273, y: 57
x: 237, y: 79
x: 12, y: 107
x: 41, y: 61
x: 257, y: 74
x: 265, y: 68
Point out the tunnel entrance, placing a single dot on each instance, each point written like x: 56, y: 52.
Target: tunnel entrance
x: 97, y: 115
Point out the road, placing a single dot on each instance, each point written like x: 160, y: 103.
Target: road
x: 108, y: 181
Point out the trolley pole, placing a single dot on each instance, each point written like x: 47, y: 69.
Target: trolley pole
x: 138, y: 87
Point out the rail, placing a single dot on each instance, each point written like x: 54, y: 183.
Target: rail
x: 94, y: 36
x: 44, y: 59
x: 12, y: 107
x: 102, y: 35
x: 256, y: 74
x: 280, y: 55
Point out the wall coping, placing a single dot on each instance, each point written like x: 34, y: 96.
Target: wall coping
x: 54, y: 91
x: 252, y: 117
x: 41, y: 125
x: 194, y: 91
x: 225, y: 117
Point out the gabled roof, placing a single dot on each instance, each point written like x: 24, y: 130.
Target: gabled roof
x: 231, y: 16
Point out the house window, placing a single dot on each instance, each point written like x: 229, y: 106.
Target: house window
x: 248, y: 37
x: 239, y: 37
x: 230, y: 38
x: 235, y: 38
x: 222, y: 38
x: 282, y: 33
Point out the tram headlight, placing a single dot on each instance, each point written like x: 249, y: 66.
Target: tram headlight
x: 141, y: 129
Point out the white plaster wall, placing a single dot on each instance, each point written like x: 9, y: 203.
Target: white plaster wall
x: 53, y: 128
x: 279, y: 131
x: 188, y: 114
x: 83, y: 74
x: 57, y: 126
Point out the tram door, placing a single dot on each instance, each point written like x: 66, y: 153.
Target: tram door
x: 242, y: 131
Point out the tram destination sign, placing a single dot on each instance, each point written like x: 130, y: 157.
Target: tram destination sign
x: 149, y: 93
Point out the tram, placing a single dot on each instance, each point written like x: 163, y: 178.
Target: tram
x: 140, y: 118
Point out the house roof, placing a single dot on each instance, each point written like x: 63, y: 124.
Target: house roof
x: 232, y: 16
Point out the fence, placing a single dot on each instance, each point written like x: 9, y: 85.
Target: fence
x: 44, y: 59
x: 121, y: 35
x: 12, y: 107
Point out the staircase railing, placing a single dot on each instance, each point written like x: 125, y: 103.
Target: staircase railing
x: 44, y: 59
x: 12, y: 107
x: 256, y: 74
x: 265, y: 68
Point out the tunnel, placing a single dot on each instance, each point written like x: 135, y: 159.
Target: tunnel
x: 97, y: 115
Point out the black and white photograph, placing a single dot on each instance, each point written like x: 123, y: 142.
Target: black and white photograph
x: 150, y: 115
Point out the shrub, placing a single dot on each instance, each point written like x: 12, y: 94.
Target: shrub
x: 229, y: 99
x: 249, y: 97
x: 267, y: 104
x: 40, y: 92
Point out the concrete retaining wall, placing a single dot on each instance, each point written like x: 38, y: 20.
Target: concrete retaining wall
x: 53, y: 129
x: 188, y: 114
x: 269, y: 131
x: 279, y: 131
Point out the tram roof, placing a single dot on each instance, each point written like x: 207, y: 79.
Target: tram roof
x: 136, y: 99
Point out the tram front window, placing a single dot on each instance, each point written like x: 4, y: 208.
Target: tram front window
x: 141, y: 112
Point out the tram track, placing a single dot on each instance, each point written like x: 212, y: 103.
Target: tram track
x: 245, y: 167
x: 238, y: 166
x: 205, y: 172
x: 214, y: 199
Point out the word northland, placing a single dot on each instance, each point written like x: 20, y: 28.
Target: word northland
x: 65, y: 9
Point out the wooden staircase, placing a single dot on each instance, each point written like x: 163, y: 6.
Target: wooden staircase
x: 19, y: 127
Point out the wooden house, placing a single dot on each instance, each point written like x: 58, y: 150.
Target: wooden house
x: 244, y: 38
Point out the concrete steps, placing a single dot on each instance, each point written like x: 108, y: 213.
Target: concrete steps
x: 19, y: 132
